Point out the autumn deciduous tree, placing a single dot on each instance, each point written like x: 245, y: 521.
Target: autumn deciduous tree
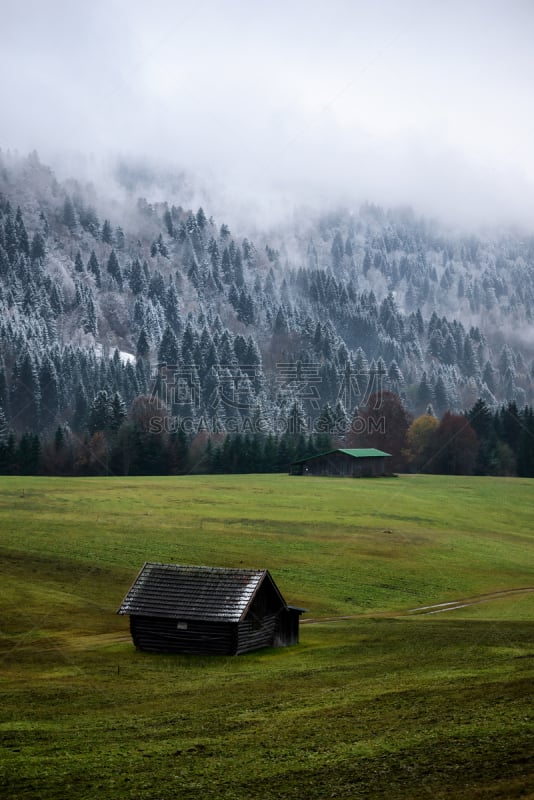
x: 418, y: 439
x: 382, y: 423
x: 453, y: 446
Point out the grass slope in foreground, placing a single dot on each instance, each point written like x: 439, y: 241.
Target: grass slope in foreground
x: 377, y: 706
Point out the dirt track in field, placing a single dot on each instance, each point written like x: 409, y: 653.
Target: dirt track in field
x: 84, y: 642
x: 436, y: 608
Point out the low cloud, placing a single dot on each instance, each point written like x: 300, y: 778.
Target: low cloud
x: 267, y: 108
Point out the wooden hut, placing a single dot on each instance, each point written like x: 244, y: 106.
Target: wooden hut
x: 360, y: 463
x: 208, y: 610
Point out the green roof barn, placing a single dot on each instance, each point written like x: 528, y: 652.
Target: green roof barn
x: 343, y: 463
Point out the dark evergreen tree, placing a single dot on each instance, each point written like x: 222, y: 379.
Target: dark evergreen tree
x: 296, y: 422
x: 94, y: 267
x: 238, y: 274
x: 441, y: 396
x: 38, y: 249
x: 157, y: 288
x: 337, y: 252
x: 81, y: 409
x: 78, y: 263
x: 177, y: 453
x: 201, y: 218
x: 28, y: 455
x: 509, y: 425
x: 118, y: 412
x: 424, y: 393
x: 56, y: 298
x: 25, y: 394
x: 100, y: 413
x: 107, y: 232
x: 245, y: 308
x: 4, y: 262
x: 167, y: 219
x: 114, y: 269
x: 325, y: 422
x: 137, y: 280
x: 169, y: 349
x: 172, y: 308
x: 470, y: 360
x: 143, y: 347
x: 120, y: 239
x: 21, y: 233
x: 68, y: 216
x: 89, y: 319
x: 4, y: 429
x: 285, y: 455
x: 481, y: 420
x: 4, y: 391
x: 59, y: 439
x: 226, y: 267
x: 8, y: 456
x: 281, y: 327
x: 50, y: 392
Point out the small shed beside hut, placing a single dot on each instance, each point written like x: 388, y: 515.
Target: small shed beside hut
x: 208, y: 610
x: 359, y: 463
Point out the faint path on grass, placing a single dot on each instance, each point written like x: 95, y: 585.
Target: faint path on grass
x: 436, y: 608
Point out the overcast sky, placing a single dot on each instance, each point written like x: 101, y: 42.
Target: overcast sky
x: 423, y: 102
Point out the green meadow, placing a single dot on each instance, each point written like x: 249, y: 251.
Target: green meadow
x: 379, y: 699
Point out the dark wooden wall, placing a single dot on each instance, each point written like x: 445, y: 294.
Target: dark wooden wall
x: 287, y: 629
x: 341, y: 465
x: 259, y: 626
x: 159, y: 635
x: 252, y: 634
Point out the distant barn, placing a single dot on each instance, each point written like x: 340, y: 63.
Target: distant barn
x: 208, y: 610
x: 361, y: 463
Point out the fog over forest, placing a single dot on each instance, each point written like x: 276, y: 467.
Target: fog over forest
x: 269, y: 107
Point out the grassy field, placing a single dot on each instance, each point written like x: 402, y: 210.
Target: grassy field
x: 388, y: 703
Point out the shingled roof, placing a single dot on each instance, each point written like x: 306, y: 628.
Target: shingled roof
x: 214, y: 594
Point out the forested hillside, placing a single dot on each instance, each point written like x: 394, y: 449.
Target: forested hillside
x: 290, y: 330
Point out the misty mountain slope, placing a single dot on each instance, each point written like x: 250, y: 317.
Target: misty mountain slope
x: 314, y: 312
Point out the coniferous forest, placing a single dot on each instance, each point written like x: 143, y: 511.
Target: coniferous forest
x: 141, y: 337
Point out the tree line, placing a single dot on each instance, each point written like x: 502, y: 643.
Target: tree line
x: 141, y: 441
